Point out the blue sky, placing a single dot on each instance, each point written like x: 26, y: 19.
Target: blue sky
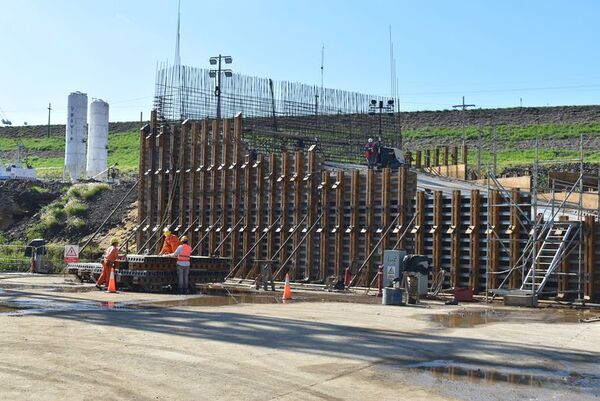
x: 494, y: 52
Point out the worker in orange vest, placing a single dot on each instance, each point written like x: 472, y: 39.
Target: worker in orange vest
x: 108, y: 262
x: 171, y: 243
x: 183, y: 253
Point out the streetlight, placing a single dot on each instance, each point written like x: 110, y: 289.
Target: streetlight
x: 217, y: 74
x: 375, y: 105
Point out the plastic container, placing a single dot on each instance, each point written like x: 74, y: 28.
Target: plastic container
x: 392, y: 296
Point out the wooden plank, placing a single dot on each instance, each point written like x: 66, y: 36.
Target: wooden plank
x: 311, y: 200
x: 454, y: 155
x: 369, y: 219
x: 298, y: 198
x: 436, y: 156
x: 324, y: 235
x: 143, y: 178
x: 161, y: 181
x: 248, y: 223
x: 152, y: 186
x: 436, y: 230
x: 272, y: 181
x: 234, y: 238
x: 283, y: 182
x: 386, y: 218
x: 203, y: 222
x: 456, y: 230
x: 173, y: 131
x: 403, y: 205
x: 340, y: 208
x: 419, y: 228
x: 445, y: 155
x: 418, y: 159
x: 354, y: 205
x: 226, y: 220
x: 427, y: 158
x: 215, y: 190
x: 184, y: 175
x: 193, y: 194
x: 474, y: 227
x: 260, y: 214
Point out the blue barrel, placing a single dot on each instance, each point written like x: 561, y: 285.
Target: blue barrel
x: 392, y: 296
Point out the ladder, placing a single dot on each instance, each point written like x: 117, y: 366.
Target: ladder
x: 548, y: 257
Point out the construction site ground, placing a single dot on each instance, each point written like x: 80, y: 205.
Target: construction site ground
x: 64, y: 340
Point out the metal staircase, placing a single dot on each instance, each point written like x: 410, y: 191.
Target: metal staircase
x: 551, y: 252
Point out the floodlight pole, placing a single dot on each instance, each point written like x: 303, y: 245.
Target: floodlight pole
x: 218, y: 90
x: 217, y: 75
x: 378, y: 105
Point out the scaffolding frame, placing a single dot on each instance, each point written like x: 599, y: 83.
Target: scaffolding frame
x: 540, y: 226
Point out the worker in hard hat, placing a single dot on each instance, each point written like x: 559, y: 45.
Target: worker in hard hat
x: 171, y: 243
x: 109, y: 260
x: 371, y: 153
x: 183, y: 253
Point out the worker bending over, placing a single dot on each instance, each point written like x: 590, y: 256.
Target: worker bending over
x: 108, y: 262
x: 183, y: 253
x: 171, y: 243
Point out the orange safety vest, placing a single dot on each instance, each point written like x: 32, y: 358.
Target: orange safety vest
x: 184, y: 255
x: 170, y: 245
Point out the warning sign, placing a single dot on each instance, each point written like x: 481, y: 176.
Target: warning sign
x: 71, y: 253
x: 391, y: 272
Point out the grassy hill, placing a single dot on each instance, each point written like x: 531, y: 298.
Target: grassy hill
x: 47, y: 154
x: 557, y: 128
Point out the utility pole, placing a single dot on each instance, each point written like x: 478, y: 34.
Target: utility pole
x: 49, y: 110
x: 463, y: 107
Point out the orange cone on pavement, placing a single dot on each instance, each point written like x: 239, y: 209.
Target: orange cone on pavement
x: 287, y: 290
x: 112, y: 283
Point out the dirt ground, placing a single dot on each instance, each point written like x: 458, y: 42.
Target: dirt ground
x: 63, y: 341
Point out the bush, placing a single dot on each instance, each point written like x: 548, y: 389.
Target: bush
x: 75, y: 208
x: 49, y: 221
x: 76, y: 223
x: 86, y: 191
x: 39, y: 190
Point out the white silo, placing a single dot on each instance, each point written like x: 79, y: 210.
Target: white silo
x: 76, y: 135
x: 97, y: 150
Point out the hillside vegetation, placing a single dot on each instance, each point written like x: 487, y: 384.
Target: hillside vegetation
x: 557, y: 128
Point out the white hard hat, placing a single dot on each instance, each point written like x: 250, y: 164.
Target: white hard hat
x: 370, y: 140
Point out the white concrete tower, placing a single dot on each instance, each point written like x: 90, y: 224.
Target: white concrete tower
x: 97, y: 149
x: 76, y: 135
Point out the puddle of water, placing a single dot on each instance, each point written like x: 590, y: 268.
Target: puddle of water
x: 27, y: 306
x: 450, y: 370
x: 210, y: 300
x: 538, y: 378
x: 6, y: 309
x: 465, y: 319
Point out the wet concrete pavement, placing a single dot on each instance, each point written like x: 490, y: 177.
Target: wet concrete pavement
x: 252, y: 346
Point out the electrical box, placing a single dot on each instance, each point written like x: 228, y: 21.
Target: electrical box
x: 392, y: 265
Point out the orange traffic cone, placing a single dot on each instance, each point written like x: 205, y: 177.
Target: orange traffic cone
x: 287, y: 290
x: 112, y: 283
